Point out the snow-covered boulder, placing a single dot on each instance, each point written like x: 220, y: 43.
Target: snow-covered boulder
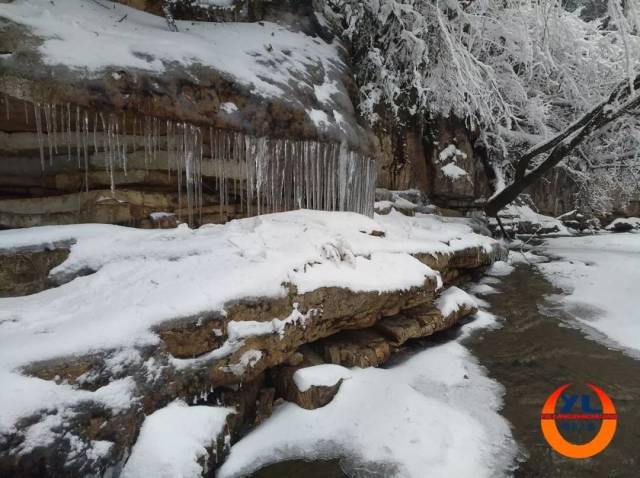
x: 624, y: 224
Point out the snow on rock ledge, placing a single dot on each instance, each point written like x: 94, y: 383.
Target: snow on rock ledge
x: 123, y: 59
x: 173, y: 441
x: 143, y: 317
x: 453, y: 300
x: 319, y: 375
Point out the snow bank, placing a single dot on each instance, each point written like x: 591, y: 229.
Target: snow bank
x: 601, y: 274
x: 500, y: 269
x: 483, y: 289
x: 430, y: 411
x: 624, y: 224
x: 173, y: 439
x: 140, y: 278
x: 325, y: 375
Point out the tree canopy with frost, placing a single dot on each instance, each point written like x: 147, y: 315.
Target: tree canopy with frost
x: 542, y: 85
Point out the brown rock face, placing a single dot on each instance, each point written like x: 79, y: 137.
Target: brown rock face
x: 61, y: 129
x: 410, y: 159
x: 357, y: 348
x: 27, y: 272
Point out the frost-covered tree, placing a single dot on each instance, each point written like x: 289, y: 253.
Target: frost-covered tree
x: 521, y: 72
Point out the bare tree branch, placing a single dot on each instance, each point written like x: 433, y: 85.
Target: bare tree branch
x: 622, y: 100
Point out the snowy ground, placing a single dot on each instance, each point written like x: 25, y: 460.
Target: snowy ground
x: 436, y: 414
x: 601, y: 275
x: 140, y: 278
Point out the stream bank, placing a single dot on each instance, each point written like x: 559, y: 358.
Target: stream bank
x: 536, y: 348
x: 539, y: 348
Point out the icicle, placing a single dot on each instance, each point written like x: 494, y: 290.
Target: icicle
x: 26, y: 112
x: 6, y: 106
x: 38, y: 120
x: 47, y: 121
x: 95, y: 135
x: 124, y: 143
x: 68, y: 130
x: 85, y: 135
x: 110, y: 145
x: 54, y: 122
x: 78, y: 135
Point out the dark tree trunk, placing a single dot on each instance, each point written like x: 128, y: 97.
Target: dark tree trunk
x: 621, y: 101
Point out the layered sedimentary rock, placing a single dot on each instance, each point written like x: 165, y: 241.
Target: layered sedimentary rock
x: 228, y: 122
x: 244, y: 358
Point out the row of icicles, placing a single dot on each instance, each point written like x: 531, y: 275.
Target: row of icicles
x: 262, y: 174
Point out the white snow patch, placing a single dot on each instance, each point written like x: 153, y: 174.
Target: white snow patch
x: 229, y: 107
x: 160, y: 215
x: 172, y: 440
x: 483, y: 289
x: 326, y: 91
x: 451, y: 152
x: 325, y: 375
x: 453, y: 299
x: 98, y: 449
x: 318, y: 117
x: 248, y: 360
x: 601, y: 274
x: 453, y: 171
x: 500, y: 269
x: 238, y: 330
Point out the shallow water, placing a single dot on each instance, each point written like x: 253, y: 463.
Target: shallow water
x: 535, y: 351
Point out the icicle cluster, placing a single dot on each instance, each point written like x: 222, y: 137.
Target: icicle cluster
x: 258, y: 174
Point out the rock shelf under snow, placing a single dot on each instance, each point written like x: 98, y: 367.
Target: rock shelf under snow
x: 412, y: 420
x: 122, y: 289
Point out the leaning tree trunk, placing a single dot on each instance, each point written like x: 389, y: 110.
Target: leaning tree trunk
x: 622, y: 100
